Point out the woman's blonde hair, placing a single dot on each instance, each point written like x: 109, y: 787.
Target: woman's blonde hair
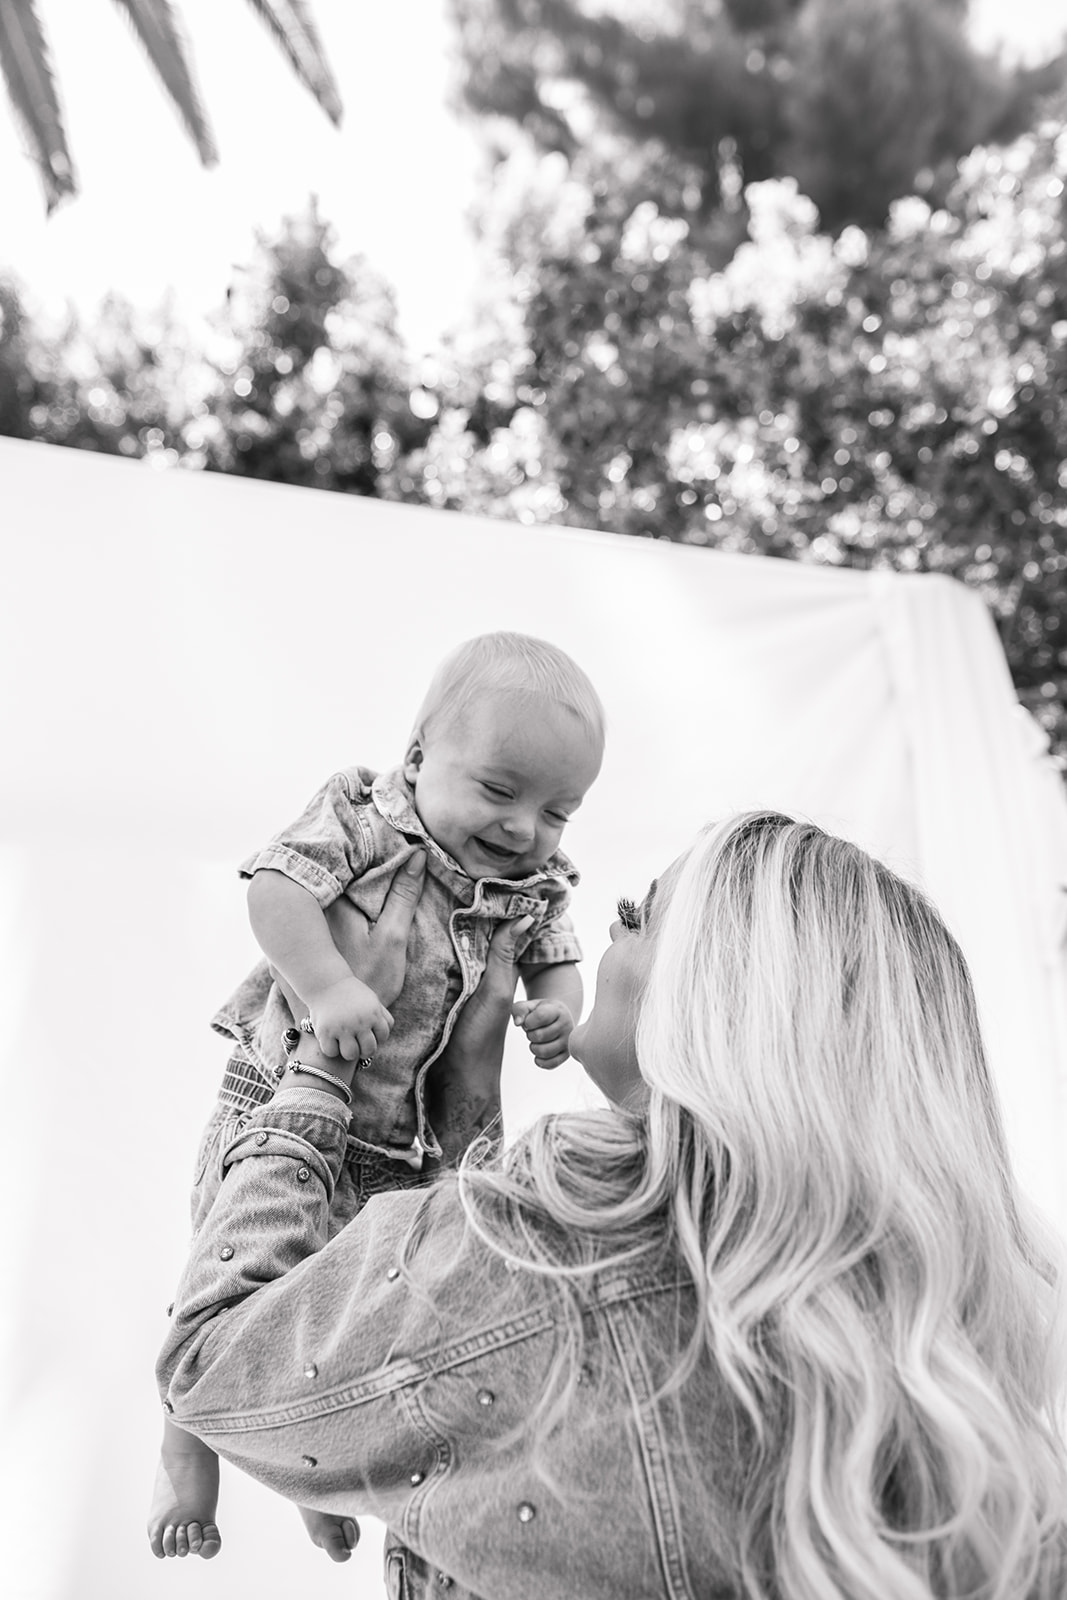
x: 820, y: 1143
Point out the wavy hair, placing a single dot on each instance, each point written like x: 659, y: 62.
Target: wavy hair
x: 819, y: 1143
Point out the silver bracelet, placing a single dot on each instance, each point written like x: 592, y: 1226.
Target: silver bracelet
x: 327, y: 1077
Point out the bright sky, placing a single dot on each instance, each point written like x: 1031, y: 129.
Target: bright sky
x: 396, y: 181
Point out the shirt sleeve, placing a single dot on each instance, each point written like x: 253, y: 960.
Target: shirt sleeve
x: 325, y: 848
x: 554, y: 941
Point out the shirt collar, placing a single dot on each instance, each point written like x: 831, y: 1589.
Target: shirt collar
x: 395, y: 801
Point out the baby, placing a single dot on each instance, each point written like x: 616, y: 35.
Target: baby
x: 506, y: 743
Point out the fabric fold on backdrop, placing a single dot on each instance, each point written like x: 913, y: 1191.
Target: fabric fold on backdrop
x: 188, y: 656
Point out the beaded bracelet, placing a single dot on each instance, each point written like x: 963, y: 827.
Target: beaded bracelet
x: 327, y: 1077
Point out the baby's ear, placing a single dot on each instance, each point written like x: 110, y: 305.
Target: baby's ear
x: 413, y: 757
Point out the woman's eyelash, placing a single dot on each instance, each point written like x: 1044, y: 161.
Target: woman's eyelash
x: 629, y: 915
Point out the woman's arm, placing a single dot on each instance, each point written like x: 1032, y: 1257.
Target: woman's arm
x: 463, y: 1085
x: 262, y: 1293
x: 270, y: 1321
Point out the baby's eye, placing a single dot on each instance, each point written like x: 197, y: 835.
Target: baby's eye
x: 558, y: 816
x: 496, y: 791
x: 629, y: 915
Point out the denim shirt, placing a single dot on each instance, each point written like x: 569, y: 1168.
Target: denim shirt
x: 393, y: 1370
x: 350, y: 839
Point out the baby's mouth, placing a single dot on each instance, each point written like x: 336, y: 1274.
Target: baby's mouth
x: 494, y: 851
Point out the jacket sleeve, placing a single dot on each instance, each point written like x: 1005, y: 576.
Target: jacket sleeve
x: 283, y: 1349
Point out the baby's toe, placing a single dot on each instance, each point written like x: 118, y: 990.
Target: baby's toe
x: 336, y: 1544
x: 204, y: 1540
x: 338, y: 1536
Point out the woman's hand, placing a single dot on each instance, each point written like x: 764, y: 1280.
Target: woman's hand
x: 463, y: 1085
x: 376, y: 952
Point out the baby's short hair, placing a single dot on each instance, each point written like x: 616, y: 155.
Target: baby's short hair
x: 511, y: 663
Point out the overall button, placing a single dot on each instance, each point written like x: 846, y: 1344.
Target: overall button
x: 526, y: 1512
x: 416, y: 1478
x: 302, y: 1174
x: 226, y: 1253
x: 311, y: 1370
x: 393, y: 1274
x: 486, y: 1397
x: 261, y: 1138
x: 310, y: 1461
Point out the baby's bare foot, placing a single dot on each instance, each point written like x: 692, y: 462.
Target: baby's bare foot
x: 338, y: 1536
x: 181, y: 1521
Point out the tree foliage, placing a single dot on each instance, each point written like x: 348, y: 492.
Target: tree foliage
x: 741, y: 377
x: 858, y: 100
x: 314, y: 385
x: 126, y: 388
x: 892, y: 399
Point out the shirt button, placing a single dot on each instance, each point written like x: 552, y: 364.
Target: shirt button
x: 226, y: 1253
x: 261, y: 1138
x: 310, y: 1461
x: 444, y: 1580
x: 168, y: 1407
x: 303, y: 1174
x: 526, y: 1512
x: 416, y: 1478
x: 311, y: 1370
x: 486, y: 1397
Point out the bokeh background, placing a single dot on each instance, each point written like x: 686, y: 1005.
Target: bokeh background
x: 785, y: 276
x: 781, y: 278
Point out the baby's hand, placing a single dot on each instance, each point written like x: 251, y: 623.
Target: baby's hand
x: 349, y: 1020
x: 548, y: 1025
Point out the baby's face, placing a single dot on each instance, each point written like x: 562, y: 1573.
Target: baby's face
x: 496, y: 785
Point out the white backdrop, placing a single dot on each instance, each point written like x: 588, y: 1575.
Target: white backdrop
x: 185, y: 657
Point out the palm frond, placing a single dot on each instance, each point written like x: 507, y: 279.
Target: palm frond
x: 26, y: 63
x: 156, y: 24
x: 291, y: 23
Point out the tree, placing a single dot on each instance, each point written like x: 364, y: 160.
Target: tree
x: 25, y: 59
x: 126, y: 388
x: 860, y: 100
x: 313, y: 385
x: 889, y: 399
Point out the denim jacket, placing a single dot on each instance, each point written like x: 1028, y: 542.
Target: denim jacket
x: 350, y: 839
x: 392, y: 1372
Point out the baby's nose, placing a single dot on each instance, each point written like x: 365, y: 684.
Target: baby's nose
x: 520, y: 825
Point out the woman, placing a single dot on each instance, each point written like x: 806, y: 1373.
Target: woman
x: 771, y: 1326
